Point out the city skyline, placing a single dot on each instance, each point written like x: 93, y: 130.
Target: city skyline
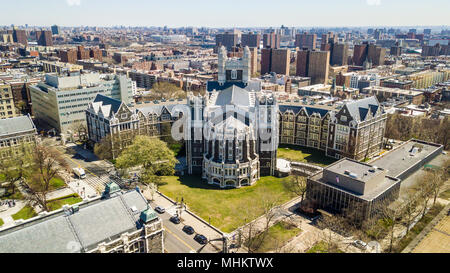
x: 202, y: 13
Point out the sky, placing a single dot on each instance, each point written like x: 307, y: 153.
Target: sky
x: 226, y: 13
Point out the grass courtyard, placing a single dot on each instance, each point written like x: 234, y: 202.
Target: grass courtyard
x: 25, y: 213
x: 55, y: 204
x: 304, y: 154
x: 278, y: 235
x: 225, y: 207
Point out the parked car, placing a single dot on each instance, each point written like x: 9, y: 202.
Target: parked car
x: 175, y: 220
x: 360, y: 244
x: 188, y: 230
x: 201, y: 239
x: 160, y: 210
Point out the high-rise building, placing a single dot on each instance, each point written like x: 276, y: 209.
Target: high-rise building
x: 61, y: 101
x: 427, y: 31
x: 275, y: 60
x: 396, y: 50
x: 271, y: 40
x: 251, y: 40
x: 313, y: 64
x: 359, y: 54
x: 368, y: 52
x: 20, y: 36
x: 227, y: 39
x: 305, y: 40
x: 68, y: 56
x: 7, y: 109
x: 339, y: 54
x: 55, y: 30
x: 44, y: 38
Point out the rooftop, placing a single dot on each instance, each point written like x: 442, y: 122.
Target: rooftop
x: 405, y: 156
x: 65, y: 231
x: 16, y: 125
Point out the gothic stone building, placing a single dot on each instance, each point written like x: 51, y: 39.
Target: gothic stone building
x: 117, y: 222
x: 110, y: 117
x: 237, y: 146
x: 354, y: 131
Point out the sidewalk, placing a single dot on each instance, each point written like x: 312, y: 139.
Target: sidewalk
x: 6, y: 214
x: 78, y: 186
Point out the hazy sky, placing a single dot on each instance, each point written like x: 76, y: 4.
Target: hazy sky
x: 225, y: 13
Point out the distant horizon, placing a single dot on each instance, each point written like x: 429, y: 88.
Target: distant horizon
x: 239, y: 27
x: 227, y: 14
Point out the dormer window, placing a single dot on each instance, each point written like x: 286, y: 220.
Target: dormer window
x: 123, y: 116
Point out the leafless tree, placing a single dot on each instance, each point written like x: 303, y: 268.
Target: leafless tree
x: 46, y: 163
x: 296, y: 184
x: 255, y: 233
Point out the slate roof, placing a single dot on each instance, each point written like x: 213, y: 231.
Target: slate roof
x: 233, y: 95
x: 107, y: 101
x: 96, y: 221
x: 296, y: 109
x: 359, y: 108
x: 15, y: 125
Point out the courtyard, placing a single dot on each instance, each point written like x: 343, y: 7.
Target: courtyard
x: 304, y: 154
x: 226, y: 209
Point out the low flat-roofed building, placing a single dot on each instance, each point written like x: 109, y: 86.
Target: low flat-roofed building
x: 117, y: 222
x: 414, y: 97
x: 351, y: 187
x: 408, y: 157
x: 16, y: 134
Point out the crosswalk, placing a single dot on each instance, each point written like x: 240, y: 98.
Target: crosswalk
x: 99, y: 183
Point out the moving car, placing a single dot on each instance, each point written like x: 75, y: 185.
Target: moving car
x: 188, y: 230
x: 160, y: 210
x: 175, y: 220
x: 201, y: 239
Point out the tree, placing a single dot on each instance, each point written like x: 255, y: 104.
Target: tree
x: 297, y: 185
x: 46, y: 163
x: 410, y: 207
x: 152, y: 155
x: 14, y: 168
x: 256, y: 232
x: 80, y: 129
x: 437, y: 180
x: 165, y: 90
x: 103, y: 149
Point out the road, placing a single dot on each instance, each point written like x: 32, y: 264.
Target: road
x: 177, y: 241
x: 97, y: 175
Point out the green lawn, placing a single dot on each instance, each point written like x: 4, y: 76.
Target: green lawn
x: 225, y: 206
x: 278, y: 235
x: 2, y: 177
x: 57, y: 183
x: 322, y: 247
x: 55, y: 204
x: 1, y: 222
x: 25, y: 213
x: 304, y: 154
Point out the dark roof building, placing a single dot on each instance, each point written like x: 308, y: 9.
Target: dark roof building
x: 122, y: 222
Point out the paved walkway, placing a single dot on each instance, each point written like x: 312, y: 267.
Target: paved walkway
x: 83, y: 189
x: 6, y: 212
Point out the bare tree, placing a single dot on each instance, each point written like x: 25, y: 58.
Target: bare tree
x: 103, y: 149
x: 296, y: 184
x: 46, y: 163
x: 14, y: 168
x: 255, y: 233
x: 410, y: 208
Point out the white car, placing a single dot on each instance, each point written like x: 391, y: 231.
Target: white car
x: 360, y: 244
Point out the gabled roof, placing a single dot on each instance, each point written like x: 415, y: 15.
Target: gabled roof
x: 15, y: 125
x: 107, y: 101
x: 96, y: 221
x: 359, y: 109
x: 233, y: 95
x: 309, y: 110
